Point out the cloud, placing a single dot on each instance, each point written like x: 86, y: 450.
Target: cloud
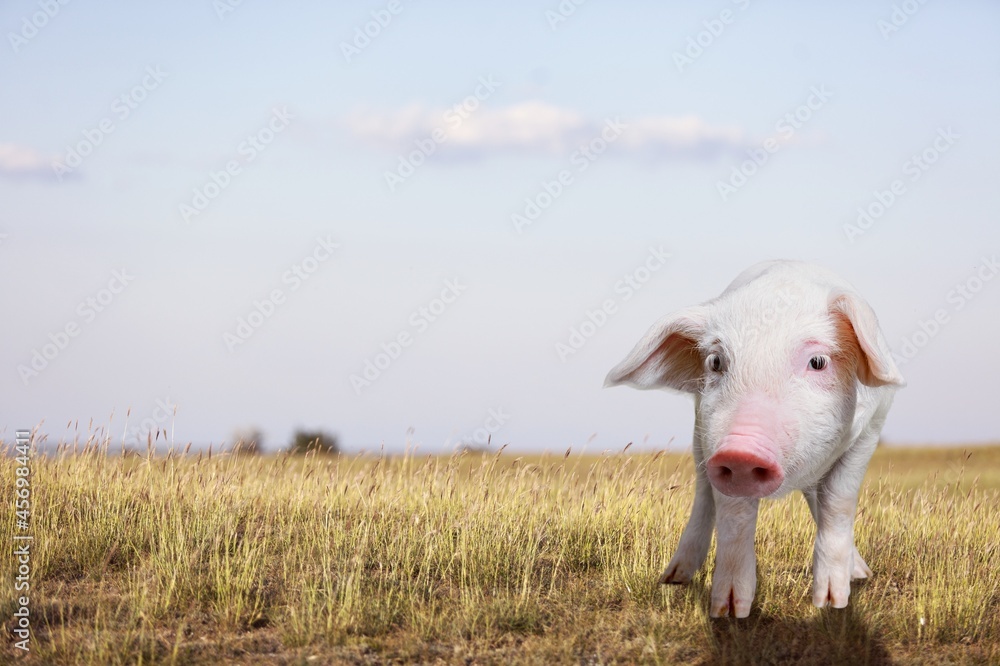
x: 538, y: 128
x: 682, y: 137
x: 17, y: 161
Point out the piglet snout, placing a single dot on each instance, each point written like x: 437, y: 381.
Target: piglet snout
x: 744, y: 467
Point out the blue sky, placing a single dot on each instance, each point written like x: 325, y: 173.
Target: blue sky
x: 165, y: 97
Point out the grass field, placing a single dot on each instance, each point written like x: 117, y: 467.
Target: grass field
x: 479, y: 559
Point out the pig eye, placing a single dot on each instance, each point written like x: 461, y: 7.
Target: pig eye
x: 714, y: 363
x: 819, y: 362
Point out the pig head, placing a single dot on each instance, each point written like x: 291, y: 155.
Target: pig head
x: 792, y: 382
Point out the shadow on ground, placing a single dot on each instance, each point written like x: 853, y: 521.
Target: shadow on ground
x: 832, y: 636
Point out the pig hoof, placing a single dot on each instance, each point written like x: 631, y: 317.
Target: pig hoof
x: 674, y: 575
x: 680, y: 571
x: 861, y: 569
x: 829, y: 600
x: 730, y: 604
x: 831, y: 593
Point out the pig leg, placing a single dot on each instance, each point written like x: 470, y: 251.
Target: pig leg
x: 735, y: 579
x: 861, y: 569
x: 836, y: 506
x: 697, y: 536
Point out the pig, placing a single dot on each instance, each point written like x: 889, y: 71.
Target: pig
x: 792, y: 381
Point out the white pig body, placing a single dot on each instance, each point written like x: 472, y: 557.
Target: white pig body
x: 792, y: 382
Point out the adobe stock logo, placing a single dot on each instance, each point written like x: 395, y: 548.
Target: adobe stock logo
x: 265, y: 308
x: 30, y: 26
x: 122, y: 107
x: 704, y: 39
x: 914, y: 168
x: 248, y: 151
x: 425, y: 147
x: 364, y: 35
x: 562, y: 12
x: 149, y: 426
x: 625, y: 288
x: 786, y: 127
x: 550, y: 190
x: 900, y: 16
x: 419, y: 321
x: 483, y: 435
x: 959, y: 296
x: 225, y: 7
x: 87, y: 311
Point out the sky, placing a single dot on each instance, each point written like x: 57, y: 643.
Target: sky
x: 404, y: 222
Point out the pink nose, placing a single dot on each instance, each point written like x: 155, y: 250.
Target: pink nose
x: 739, y: 470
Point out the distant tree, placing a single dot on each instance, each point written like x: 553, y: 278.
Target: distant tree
x: 474, y: 445
x: 248, y: 442
x: 305, y: 441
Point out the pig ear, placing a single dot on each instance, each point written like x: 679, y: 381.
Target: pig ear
x: 666, y: 357
x: 876, y: 367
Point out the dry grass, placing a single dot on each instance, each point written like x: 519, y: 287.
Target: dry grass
x: 480, y: 559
